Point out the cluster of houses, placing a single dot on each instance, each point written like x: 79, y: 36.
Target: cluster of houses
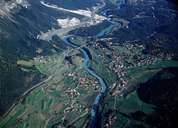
x: 45, y: 59
x: 132, y: 56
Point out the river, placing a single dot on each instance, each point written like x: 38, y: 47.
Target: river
x: 104, y: 88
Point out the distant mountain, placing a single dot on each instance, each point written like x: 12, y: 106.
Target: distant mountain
x: 132, y: 1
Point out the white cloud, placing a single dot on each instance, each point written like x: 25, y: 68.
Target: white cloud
x: 65, y: 23
x: 70, y: 24
x: 87, y: 13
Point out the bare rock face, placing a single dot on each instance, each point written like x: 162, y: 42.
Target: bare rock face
x: 7, y: 6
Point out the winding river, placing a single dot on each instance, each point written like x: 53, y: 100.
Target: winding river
x: 103, y: 91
